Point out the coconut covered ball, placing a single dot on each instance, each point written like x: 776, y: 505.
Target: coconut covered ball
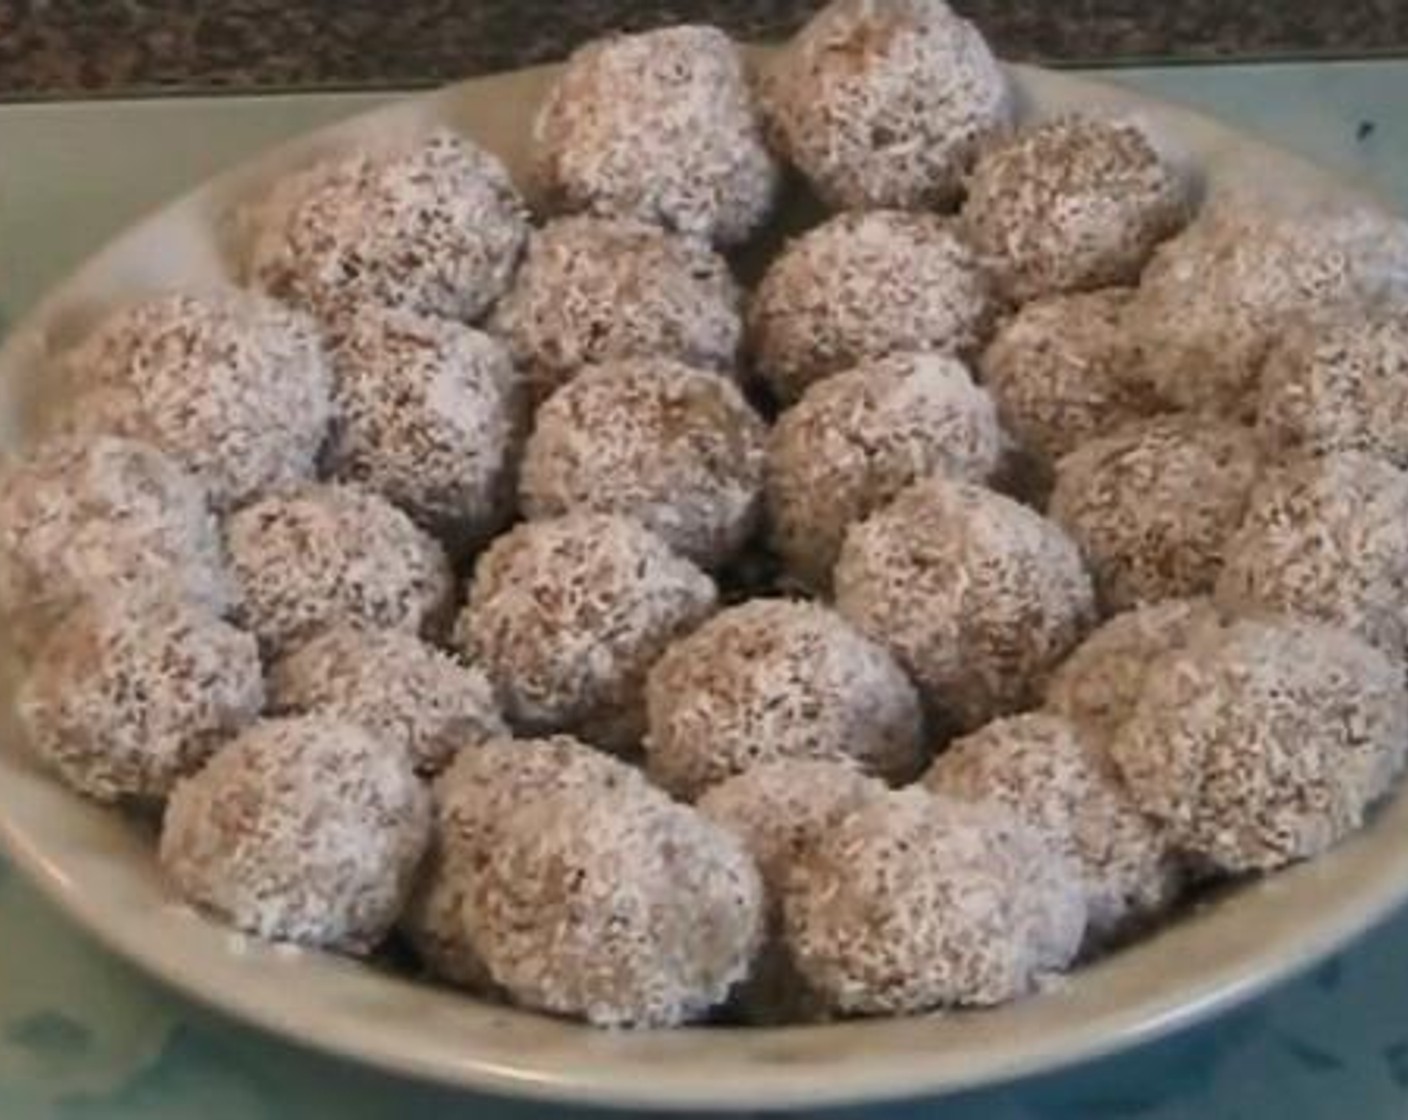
x: 1051, y: 775
x: 858, y: 438
x: 231, y: 385
x: 675, y: 448
x: 306, y: 830
x: 774, y: 679
x: 984, y: 908
x: 885, y: 102
x: 1327, y: 539
x: 1265, y: 742
x: 566, y: 616
x: 403, y: 691
x: 127, y: 696
x: 865, y: 285
x: 433, y: 225
x: 430, y: 415
x: 1154, y: 504
x: 593, y: 290
x: 977, y: 596
x: 332, y: 554
x: 1072, y: 204
x: 659, y: 127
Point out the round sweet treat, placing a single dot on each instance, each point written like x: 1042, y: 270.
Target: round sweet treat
x: 983, y: 908
x: 1153, y: 504
x: 105, y: 515
x: 1264, y: 742
x: 1056, y: 779
x: 977, y: 596
x: 1098, y: 686
x: 864, y: 285
x: 858, y: 438
x: 1326, y: 538
x: 620, y: 908
x: 402, y: 690
x: 304, y: 829
x: 1071, y: 204
x: 675, y: 448
x: 885, y: 102
x: 429, y: 414
x: 128, y: 695
x: 435, y: 226
x: 332, y: 554
x: 231, y: 385
x: 777, y: 679
x: 592, y: 290
x: 657, y: 126
x: 1338, y: 385
x: 567, y: 615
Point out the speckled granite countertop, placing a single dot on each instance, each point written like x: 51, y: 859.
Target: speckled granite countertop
x: 69, y: 47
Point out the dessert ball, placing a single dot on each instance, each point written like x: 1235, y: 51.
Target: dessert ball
x: 105, y: 515
x: 434, y: 226
x: 984, y: 907
x: 885, y: 103
x: 675, y: 448
x: 858, y: 438
x: 593, y: 290
x: 403, y: 691
x: 304, y: 829
x: 660, y: 127
x: 567, y: 615
x: 622, y: 908
x: 332, y: 554
x: 1264, y: 742
x: 1153, y: 505
x: 978, y: 597
x: 231, y: 385
x: 864, y: 285
x: 126, y: 696
x: 429, y: 414
x: 1340, y: 385
x: 773, y: 679
x: 1055, y: 778
x: 1074, y: 203
x: 1327, y: 539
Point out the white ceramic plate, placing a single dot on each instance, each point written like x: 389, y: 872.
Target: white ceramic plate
x: 103, y: 871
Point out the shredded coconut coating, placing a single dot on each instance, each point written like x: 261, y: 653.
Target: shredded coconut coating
x: 916, y: 902
x: 1327, y: 539
x: 405, y: 692
x: 429, y: 414
x: 622, y: 909
x: 865, y: 285
x: 434, y: 226
x: 101, y: 516
x: 1264, y: 743
x: 775, y: 679
x: 978, y: 597
x: 330, y: 554
x: 660, y: 127
x: 675, y: 448
x: 1153, y: 505
x: 128, y: 695
x: 1065, y: 370
x: 1056, y: 778
x: 858, y: 438
x: 1072, y: 204
x: 884, y: 103
x: 306, y: 830
x: 567, y: 615
x: 231, y: 385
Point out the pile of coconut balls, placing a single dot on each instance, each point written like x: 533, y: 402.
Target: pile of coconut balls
x: 1027, y: 549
